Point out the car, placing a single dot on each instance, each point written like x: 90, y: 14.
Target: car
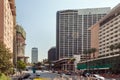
x: 24, y: 76
x: 68, y: 73
x: 85, y: 74
x: 97, y: 77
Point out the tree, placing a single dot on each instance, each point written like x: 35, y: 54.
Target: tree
x: 93, y: 50
x: 87, y: 52
x: 6, y: 65
x: 38, y: 65
x: 116, y: 65
x: 21, y: 65
x: 118, y: 47
x: 112, y: 47
x: 115, y: 46
x: 47, y: 63
x: 71, y: 60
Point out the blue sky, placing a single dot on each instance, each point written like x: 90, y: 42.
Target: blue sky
x: 38, y: 18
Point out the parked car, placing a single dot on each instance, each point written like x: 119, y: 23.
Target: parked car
x: 97, y: 77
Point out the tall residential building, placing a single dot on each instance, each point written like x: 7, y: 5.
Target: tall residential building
x: 52, y: 54
x: 106, y: 33
x: 7, y: 22
x: 73, y: 36
x: 34, y: 55
x: 109, y: 33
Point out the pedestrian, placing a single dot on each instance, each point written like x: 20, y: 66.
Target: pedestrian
x: 34, y: 70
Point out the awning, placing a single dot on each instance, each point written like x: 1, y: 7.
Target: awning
x: 84, y: 66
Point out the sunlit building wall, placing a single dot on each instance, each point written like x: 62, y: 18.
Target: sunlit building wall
x: 7, y: 22
x: 95, y: 39
x: 109, y: 32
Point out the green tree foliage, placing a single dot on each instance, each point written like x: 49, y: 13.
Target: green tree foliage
x: 4, y: 77
x: 118, y: 47
x: 112, y: 47
x: 116, y: 66
x: 87, y: 52
x: 71, y: 60
x: 5, y: 59
x: 38, y: 64
x: 115, y: 46
x: 93, y: 50
x: 21, y: 65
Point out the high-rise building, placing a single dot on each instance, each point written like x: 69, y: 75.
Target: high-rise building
x: 34, y: 55
x: 105, y: 37
x: 106, y: 33
x: 7, y: 22
x: 109, y: 33
x: 73, y: 36
x: 52, y: 54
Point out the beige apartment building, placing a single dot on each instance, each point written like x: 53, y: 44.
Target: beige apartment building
x: 109, y: 32
x: 7, y: 22
x: 106, y: 32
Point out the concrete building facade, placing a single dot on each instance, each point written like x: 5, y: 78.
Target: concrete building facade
x: 20, y: 43
x: 7, y: 22
x: 109, y: 32
x: 34, y: 55
x: 73, y: 36
x: 95, y: 39
x: 105, y: 33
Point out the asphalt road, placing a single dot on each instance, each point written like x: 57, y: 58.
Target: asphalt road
x: 46, y: 75
x: 52, y: 76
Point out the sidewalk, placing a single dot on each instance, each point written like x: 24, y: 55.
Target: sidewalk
x: 16, y: 75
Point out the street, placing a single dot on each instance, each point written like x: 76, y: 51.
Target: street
x: 48, y: 75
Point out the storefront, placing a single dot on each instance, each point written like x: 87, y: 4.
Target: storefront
x: 100, y: 64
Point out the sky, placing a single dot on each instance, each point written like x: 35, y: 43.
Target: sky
x: 38, y: 18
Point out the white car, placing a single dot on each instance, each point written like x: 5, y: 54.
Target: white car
x: 98, y: 77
